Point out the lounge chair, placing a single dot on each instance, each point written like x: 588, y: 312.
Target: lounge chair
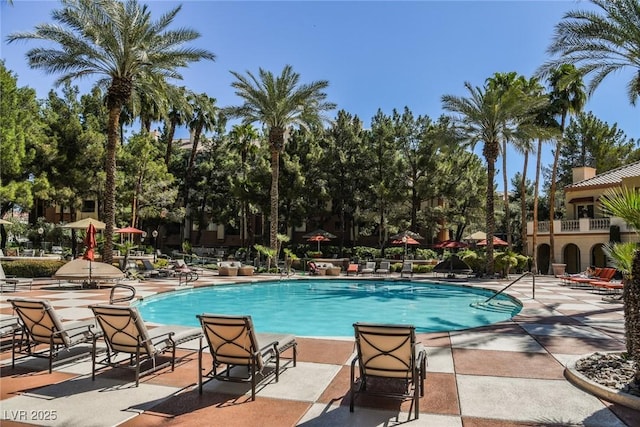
x: 125, y: 332
x: 41, y: 325
x: 149, y: 269
x: 385, y: 268
x: 313, y: 268
x: 388, y: 352
x: 233, y: 342
x: 600, y: 275
x: 12, y: 282
x: 352, y: 268
x: 185, y: 273
x: 407, y: 268
x: 369, y: 268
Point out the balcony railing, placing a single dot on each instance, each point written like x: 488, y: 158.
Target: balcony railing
x: 599, y: 223
x: 582, y: 225
x: 570, y: 225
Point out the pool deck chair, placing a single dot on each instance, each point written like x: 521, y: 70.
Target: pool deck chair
x: 12, y: 283
x: 352, y: 268
x: 125, y: 332
x: 41, y: 325
x: 233, y: 342
x: 407, y: 268
x: 385, y: 268
x: 388, y: 352
x: 369, y: 268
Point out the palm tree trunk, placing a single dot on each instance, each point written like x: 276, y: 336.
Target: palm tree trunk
x: 110, y: 182
x: 505, y: 181
x: 523, y: 205
x: 490, y: 212
x: 170, y: 135
x: 275, y: 172
x: 534, y: 238
x: 552, y: 195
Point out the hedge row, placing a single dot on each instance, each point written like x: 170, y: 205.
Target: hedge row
x: 31, y: 268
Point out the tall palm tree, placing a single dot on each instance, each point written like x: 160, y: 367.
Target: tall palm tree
x: 503, y: 83
x: 600, y: 43
x: 204, y: 116
x: 121, y: 44
x: 484, y: 117
x: 567, y: 97
x: 279, y: 102
x: 178, y: 112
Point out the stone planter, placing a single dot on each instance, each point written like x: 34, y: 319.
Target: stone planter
x: 558, y: 269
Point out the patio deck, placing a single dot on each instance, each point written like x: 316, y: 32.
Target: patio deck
x: 507, y: 374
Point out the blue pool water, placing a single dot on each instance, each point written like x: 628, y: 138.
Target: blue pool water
x: 330, y: 307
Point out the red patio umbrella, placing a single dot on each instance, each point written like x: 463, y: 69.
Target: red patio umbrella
x: 318, y: 238
x: 409, y: 241
x: 450, y: 244
x: 129, y: 231
x: 90, y: 243
x: 496, y: 242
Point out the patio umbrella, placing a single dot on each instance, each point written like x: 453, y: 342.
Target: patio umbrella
x: 407, y: 233
x: 84, y: 224
x: 90, y: 243
x: 129, y: 231
x: 496, y: 242
x: 450, y: 244
x: 319, y: 235
x: 318, y: 239
x: 408, y: 241
x: 79, y: 268
x: 478, y: 235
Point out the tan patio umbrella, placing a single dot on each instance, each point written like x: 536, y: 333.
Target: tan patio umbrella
x: 478, y: 235
x: 84, y: 224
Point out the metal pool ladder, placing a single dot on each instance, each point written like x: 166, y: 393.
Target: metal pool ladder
x: 515, y: 281
x: 113, y: 299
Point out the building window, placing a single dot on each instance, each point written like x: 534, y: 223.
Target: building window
x: 585, y: 211
x: 88, y: 206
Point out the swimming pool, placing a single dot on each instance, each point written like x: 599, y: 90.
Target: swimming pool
x: 330, y: 307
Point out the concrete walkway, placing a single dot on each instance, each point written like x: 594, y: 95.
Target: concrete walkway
x: 507, y: 374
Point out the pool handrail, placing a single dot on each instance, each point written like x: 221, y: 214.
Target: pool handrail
x: 113, y: 299
x: 526, y: 273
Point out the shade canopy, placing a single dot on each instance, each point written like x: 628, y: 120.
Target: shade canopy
x: 407, y: 233
x: 450, y: 244
x: 84, y: 224
x: 409, y: 241
x: 319, y: 232
x: 496, y: 242
x: 129, y: 230
x: 82, y: 269
x: 478, y: 235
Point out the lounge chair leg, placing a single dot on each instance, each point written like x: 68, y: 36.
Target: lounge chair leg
x: 200, y: 368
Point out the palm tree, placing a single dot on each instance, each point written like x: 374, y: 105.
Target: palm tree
x: 625, y: 203
x: 600, y: 44
x: 89, y: 39
x: 484, y: 116
x: 567, y: 97
x: 178, y: 113
x: 279, y: 102
x: 204, y: 116
x: 502, y: 83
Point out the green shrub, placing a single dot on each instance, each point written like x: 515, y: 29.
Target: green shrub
x: 394, y: 251
x: 426, y: 254
x: 474, y: 260
x: 366, y: 252
x: 32, y: 268
x: 422, y: 268
x: 505, y: 261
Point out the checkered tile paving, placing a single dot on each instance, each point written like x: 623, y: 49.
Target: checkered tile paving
x: 507, y: 374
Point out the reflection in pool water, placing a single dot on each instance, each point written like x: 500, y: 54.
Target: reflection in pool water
x: 330, y: 307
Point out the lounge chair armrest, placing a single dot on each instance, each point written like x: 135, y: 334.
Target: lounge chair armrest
x: 271, y: 347
x: 153, y: 337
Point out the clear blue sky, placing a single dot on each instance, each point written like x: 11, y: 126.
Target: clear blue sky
x: 375, y: 54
